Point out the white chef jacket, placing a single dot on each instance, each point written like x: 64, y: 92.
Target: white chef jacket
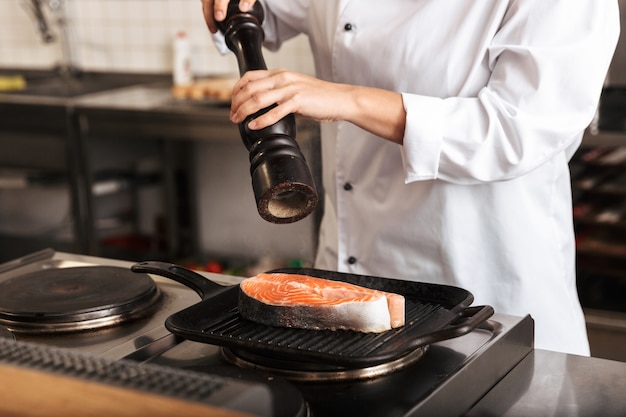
x: 497, y: 94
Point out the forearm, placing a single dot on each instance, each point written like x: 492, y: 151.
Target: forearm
x: 378, y: 111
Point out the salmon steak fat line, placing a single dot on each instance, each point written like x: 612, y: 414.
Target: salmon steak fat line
x: 300, y: 301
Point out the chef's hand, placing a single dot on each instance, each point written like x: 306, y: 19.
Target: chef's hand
x: 215, y: 11
x: 378, y: 111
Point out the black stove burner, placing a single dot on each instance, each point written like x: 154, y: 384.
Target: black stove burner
x: 74, y: 299
x: 311, y: 371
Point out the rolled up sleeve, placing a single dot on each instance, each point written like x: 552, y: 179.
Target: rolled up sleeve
x: 423, y: 137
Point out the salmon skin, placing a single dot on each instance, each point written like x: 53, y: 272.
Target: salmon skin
x: 300, y: 301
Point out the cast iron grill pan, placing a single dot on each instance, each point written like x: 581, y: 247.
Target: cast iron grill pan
x: 433, y: 313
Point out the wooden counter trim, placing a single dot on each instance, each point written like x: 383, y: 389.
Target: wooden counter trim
x: 29, y: 393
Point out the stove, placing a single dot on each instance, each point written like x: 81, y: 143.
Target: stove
x: 125, y: 328
x: 125, y: 333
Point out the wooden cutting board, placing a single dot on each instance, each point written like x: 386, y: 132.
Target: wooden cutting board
x: 215, y: 88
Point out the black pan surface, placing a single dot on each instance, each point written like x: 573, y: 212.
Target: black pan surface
x: 433, y: 313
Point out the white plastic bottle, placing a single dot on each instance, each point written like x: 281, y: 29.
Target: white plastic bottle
x: 182, y: 60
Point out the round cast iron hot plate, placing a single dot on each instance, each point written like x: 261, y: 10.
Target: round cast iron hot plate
x: 305, y: 371
x: 74, y: 299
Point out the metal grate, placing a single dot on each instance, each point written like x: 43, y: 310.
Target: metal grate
x: 156, y: 379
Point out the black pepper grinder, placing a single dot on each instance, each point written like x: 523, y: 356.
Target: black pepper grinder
x: 281, y: 179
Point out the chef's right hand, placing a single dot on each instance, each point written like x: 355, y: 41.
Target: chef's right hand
x: 215, y: 11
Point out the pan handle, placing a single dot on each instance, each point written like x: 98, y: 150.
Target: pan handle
x: 469, y: 319
x: 203, y: 286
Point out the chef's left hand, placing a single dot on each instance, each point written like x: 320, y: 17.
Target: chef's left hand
x: 378, y: 111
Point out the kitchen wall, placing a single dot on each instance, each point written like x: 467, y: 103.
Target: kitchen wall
x: 136, y: 36
x: 124, y: 36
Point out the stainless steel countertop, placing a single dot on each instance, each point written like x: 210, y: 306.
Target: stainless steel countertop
x: 552, y: 384
x: 145, y: 109
x: 151, y: 110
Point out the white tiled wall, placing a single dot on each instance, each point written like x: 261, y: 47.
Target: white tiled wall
x: 126, y: 36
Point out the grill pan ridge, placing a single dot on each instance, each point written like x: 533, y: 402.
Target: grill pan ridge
x: 349, y: 345
x: 433, y: 313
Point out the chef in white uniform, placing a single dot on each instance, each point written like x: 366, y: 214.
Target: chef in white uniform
x: 447, y: 130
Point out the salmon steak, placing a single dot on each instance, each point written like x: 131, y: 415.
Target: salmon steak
x: 305, y: 302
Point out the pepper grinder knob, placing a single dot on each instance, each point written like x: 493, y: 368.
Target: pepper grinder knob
x: 282, y: 182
